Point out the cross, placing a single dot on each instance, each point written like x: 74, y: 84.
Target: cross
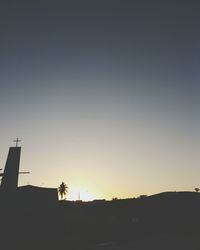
x: 17, y: 140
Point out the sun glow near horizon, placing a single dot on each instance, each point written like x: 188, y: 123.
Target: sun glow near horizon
x: 80, y: 193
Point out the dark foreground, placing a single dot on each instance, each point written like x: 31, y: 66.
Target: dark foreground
x: 168, y: 221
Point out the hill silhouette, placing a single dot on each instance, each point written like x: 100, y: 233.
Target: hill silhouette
x: 167, y: 220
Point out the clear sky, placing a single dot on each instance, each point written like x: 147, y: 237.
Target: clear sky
x: 104, y: 95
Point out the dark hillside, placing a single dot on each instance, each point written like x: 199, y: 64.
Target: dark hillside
x: 162, y: 221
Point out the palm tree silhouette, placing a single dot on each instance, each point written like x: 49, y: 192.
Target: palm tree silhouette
x: 62, y: 189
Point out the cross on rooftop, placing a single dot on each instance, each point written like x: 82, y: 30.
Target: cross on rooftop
x: 17, y: 141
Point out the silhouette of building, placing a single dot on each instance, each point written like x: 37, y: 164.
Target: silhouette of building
x: 9, y: 182
x: 33, y: 194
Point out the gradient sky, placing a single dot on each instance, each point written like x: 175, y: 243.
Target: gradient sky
x: 103, y: 94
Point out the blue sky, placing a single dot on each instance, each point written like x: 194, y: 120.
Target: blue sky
x: 104, y: 97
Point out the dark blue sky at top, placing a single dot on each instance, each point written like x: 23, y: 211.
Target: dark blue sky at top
x: 132, y: 38
x: 81, y: 57
x: 155, y: 44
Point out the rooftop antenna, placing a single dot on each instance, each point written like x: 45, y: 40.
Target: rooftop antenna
x: 79, y: 196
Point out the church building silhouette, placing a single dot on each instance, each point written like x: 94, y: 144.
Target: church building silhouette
x: 9, y: 183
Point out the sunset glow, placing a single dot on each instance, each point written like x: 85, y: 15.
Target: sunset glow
x: 80, y: 193
x: 101, y: 97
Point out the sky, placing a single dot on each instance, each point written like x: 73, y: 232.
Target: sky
x: 103, y: 94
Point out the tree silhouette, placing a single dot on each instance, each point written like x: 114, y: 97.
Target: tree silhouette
x: 62, y: 189
x: 197, y: 189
